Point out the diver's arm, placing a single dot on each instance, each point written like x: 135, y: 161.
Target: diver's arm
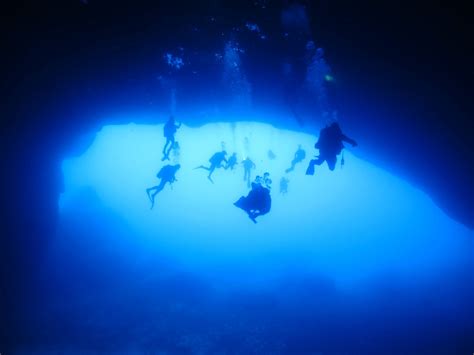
x: 349, y: 140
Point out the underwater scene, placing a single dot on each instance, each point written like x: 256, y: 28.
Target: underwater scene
x: 237, y: 177
x: 352, y: 251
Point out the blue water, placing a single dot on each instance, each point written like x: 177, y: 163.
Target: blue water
x: 351, y: 261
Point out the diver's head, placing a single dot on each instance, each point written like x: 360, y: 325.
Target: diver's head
x: 335, y: 126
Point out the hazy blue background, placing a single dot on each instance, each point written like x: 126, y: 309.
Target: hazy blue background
x: 351, y: 261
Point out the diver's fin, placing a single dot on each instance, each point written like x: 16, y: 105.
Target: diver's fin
x: 253, y: 219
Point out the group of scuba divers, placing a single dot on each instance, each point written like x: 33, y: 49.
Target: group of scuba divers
x: 258, y: 201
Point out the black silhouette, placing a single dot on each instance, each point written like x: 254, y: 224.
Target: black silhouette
x: 167, y: 175
x: 216, y: 162
x: 258, y: 201
x: 169, y: 131
x: 300, y: 154
x: 232, y: 162
x: 330, y: 145
x: 248, y: 166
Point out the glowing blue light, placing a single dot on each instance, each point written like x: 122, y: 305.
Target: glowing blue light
x: 348, y: 224
x: 174, y: 61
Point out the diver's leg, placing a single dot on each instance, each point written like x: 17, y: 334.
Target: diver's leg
x: 151, y: 197
x: 161, y: 186
x: 171, y: 140
x: 310, y: 169
x: 312, y: 163
x: 211, y: 170
x: 157, y: 189
x: 166, y: 145
x: 332, y: 160
x: 165, y: 151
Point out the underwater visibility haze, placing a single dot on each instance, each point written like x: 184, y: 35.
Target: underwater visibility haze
x: 216, y: 184
x: 354, y: 250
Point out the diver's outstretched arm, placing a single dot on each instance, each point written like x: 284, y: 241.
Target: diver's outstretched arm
x: 349, y: 140
x: 202, y: 167
x: 318, y: 161
x: 166, y: 145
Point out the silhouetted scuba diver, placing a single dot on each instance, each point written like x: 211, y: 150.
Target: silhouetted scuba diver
x: 258, y: 201
x: 166, y: 174
x: 232, y: 162
x: 300, y: 154
x: 216, y: 161
x: 330, y: 145
x: 169, y: 131
x: 248, y: 166
x: 284, y: 185
x: 271, y: 155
